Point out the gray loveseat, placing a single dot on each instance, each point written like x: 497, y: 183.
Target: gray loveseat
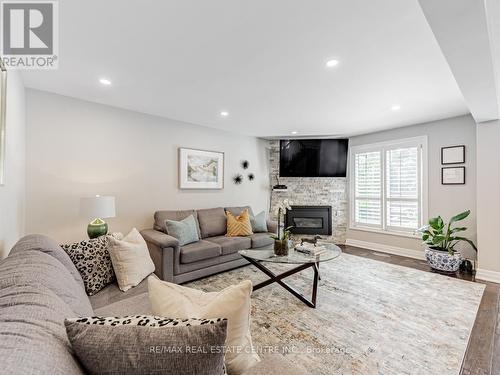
x: 39, y: 288
x: 212, y: 254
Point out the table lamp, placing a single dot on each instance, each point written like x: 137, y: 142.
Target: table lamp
x: 97, y: 208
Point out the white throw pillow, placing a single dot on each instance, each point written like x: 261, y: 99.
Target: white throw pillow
x: 232, y: 303
x: 131, y: 260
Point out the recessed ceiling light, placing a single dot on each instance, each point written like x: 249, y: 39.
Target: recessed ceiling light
x: 332, y: 63
x: 395, y: 108
x: 295, y: 132
x: 105, y: 81
x: 224, y: 113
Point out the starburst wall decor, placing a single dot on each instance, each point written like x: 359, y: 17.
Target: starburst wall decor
x: 238, y: 179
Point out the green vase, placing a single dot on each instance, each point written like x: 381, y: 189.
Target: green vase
x: 97, y: 228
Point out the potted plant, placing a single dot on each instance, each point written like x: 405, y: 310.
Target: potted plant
x: 440, y: 240
x: 282, y: 238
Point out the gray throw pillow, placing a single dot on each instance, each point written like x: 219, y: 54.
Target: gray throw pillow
x: 258, y: 222
x: 184, y: 230
x: 148, y: 344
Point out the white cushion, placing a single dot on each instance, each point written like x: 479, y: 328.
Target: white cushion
x: 131, y: 260
x: 232, y: 303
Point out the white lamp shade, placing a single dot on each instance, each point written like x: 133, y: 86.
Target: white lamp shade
x: 97, y: 207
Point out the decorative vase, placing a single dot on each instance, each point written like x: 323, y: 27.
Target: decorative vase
x: 281, y: 247
x: 443, y: 261
x: 97, y: 228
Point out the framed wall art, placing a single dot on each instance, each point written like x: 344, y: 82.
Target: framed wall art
x: 453, y: 155
x: 453, y: 175
x: 201, y: 169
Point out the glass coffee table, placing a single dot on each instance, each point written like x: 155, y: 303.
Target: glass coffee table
x: 258, y: 257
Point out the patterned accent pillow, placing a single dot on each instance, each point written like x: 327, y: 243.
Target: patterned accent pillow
x: 143, y: 321
x: 238, y: 225
x: 92, y: 260
x: 145, y: 344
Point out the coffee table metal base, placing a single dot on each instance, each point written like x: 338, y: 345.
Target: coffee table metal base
x: 274, y: 278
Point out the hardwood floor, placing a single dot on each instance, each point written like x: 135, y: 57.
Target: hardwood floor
x: 483, y: 352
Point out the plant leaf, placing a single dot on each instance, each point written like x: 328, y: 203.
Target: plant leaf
x: 440, y: 222
x: 437, y: 232
x: 438, y: 239
x: 456, y: 238
x: 460, y: 216
x: 433, y: 222
x: 423, y: 229
x: 458, y: 229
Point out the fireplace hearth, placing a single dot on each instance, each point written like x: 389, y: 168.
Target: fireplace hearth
x: 310, y: 220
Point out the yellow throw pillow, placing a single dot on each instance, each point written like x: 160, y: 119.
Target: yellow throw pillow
x: 238, y: 225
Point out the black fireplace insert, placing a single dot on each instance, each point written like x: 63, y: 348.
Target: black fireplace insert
x: 310, y: 220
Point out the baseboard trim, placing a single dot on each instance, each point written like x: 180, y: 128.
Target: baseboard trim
x: 487, y: 275
x: 410, y: 253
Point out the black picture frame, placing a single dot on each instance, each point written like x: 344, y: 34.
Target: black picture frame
x: 443, y: 162
x: 452, y: 183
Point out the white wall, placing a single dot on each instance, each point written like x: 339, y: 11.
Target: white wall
x: 488, y: 200
x: 444, y: 200
x: 78, y: 148
x: 12, y: 194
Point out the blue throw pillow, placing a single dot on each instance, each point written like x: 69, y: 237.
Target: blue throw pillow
x: 259, y: 223
x: 184, y: 230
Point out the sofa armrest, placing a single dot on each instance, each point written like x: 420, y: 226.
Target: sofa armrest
x: 162, y: 249
x: 272, y: 226
x: 159, y: 239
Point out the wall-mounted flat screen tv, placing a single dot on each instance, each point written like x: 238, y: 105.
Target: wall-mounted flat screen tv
x: 313, y: 157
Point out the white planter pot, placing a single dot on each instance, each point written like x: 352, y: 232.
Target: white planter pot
x: 443, y: 261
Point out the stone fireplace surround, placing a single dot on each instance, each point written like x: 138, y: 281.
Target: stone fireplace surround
x: 311, y: 191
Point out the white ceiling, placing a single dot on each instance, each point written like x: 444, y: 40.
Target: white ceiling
x: 466, y: 37
x: 262, y: 61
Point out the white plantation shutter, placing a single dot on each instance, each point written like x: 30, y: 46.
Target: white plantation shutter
x: 402, y: 188
x: 368, y: 188
x: 387, y: 186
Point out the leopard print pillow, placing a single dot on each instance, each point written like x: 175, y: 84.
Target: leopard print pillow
x: 92, y: 260
x: 174, y: 355
x: 144, y: 320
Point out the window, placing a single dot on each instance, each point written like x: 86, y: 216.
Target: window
x: 388, y: 186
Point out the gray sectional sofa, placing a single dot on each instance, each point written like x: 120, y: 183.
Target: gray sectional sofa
x: 212, y: 254
x: 39, y: 288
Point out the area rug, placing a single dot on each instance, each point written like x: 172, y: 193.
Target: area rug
x: 371, y: 318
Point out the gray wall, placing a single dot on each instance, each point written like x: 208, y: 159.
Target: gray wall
x: 444, y: 200
x: 488, y: 200
x: 77, y: 149
x: 12, y: 194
